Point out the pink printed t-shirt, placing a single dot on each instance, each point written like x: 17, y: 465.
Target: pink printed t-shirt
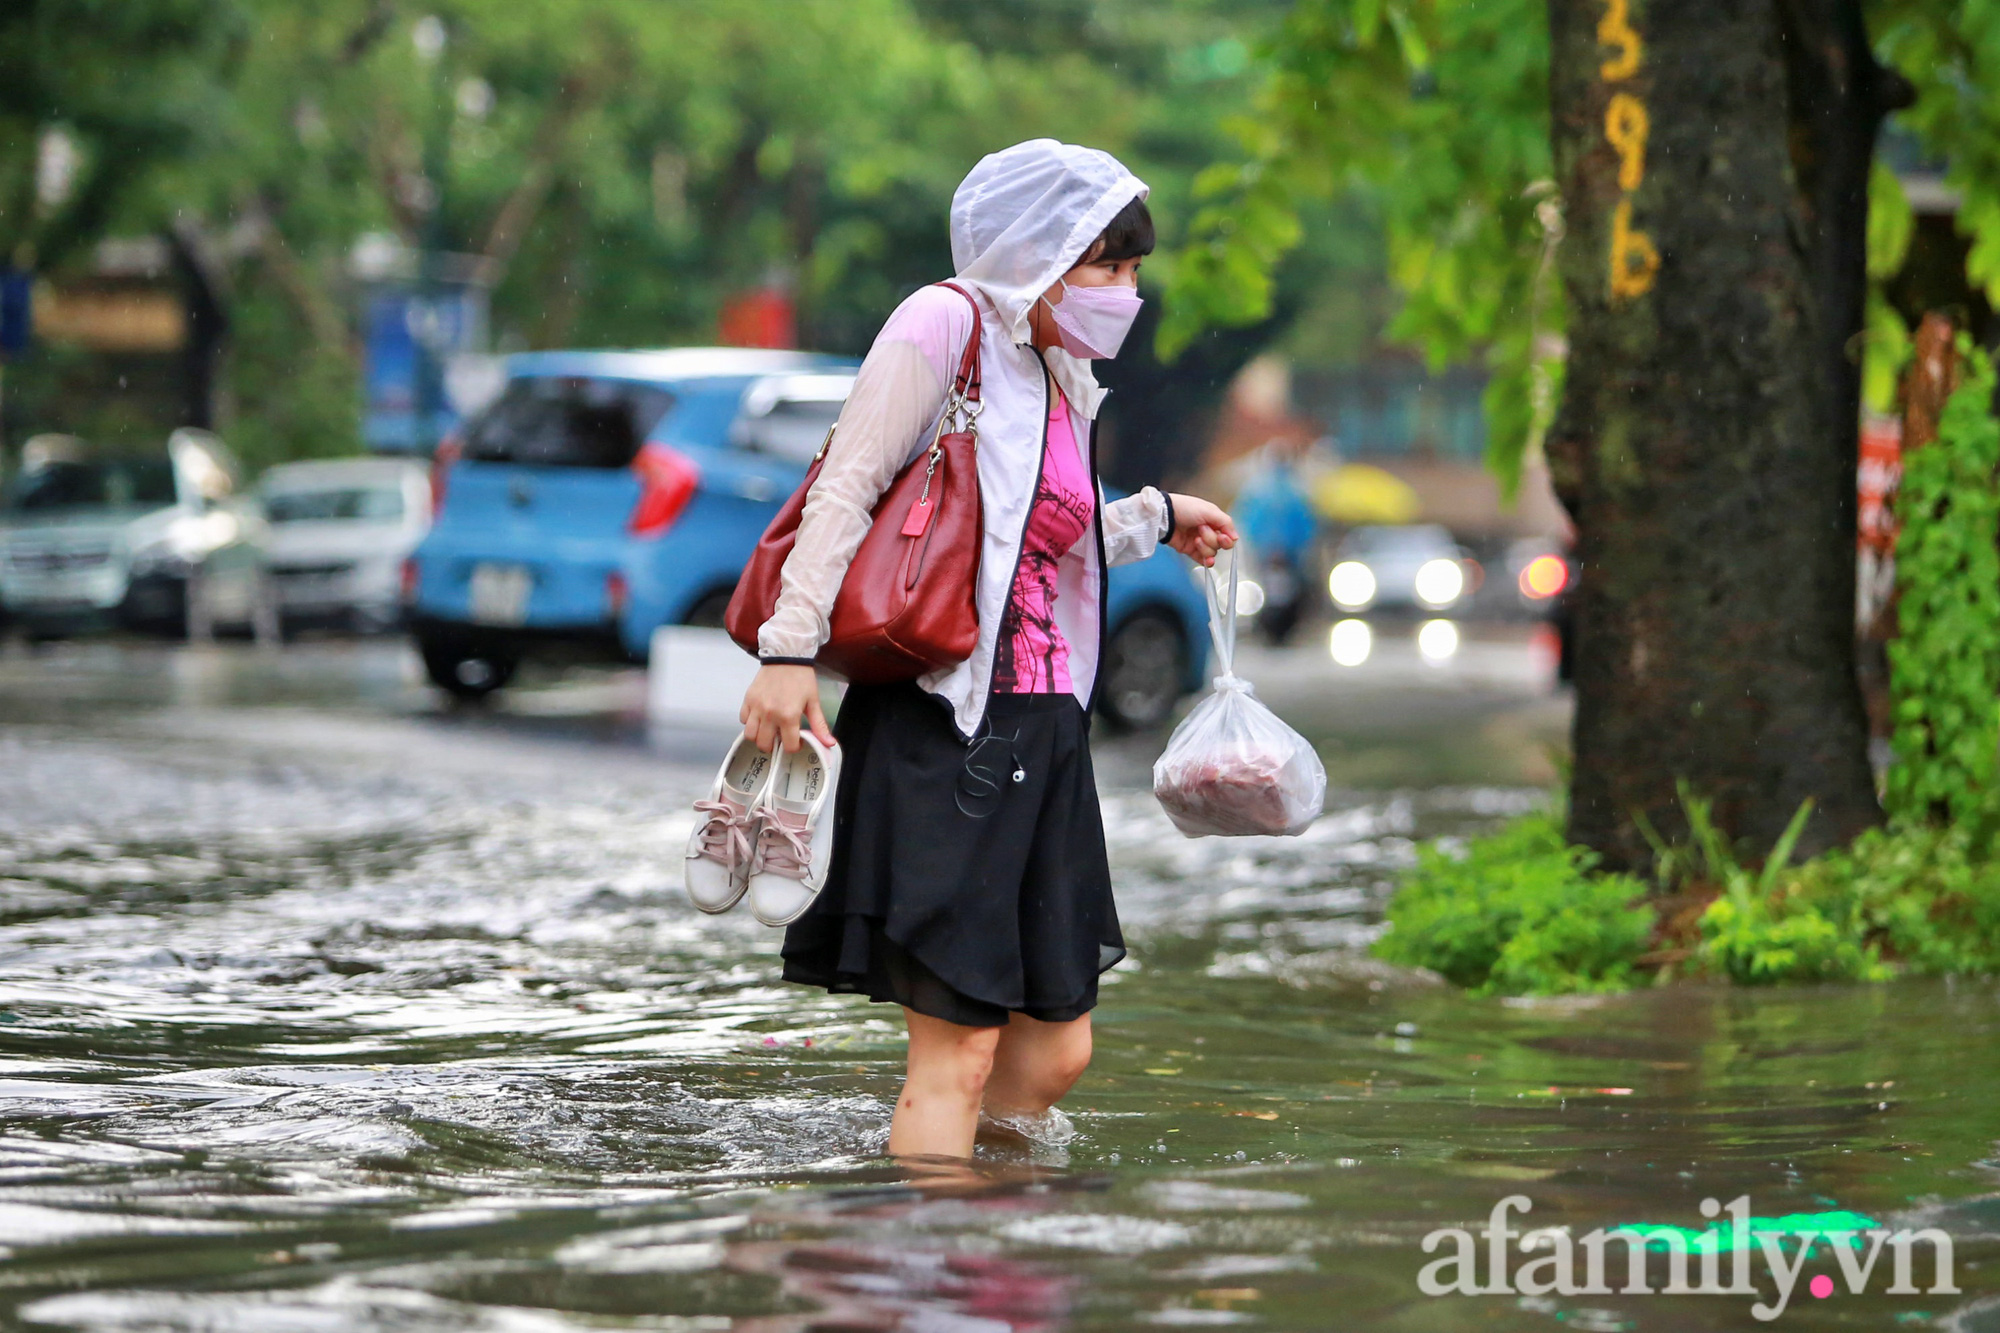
x: 1031, y: 656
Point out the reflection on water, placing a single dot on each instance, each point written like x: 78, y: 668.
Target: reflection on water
x: 313, y: 1032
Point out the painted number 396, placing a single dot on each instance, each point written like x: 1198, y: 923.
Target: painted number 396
x: 1635, y: 260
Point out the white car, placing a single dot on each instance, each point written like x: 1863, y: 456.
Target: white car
x: 152, y: 539
x: 340, y: 531
x: 1416, y: 567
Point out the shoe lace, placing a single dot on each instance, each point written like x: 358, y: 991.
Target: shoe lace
x: 726, y: 835
x: 783, y: 849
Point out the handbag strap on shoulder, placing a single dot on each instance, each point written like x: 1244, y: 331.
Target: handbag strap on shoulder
x: 966, y: 384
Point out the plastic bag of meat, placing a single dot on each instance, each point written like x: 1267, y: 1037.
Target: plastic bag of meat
x: 1231, y: 767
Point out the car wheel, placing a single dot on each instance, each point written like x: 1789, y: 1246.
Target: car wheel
x: 708, y: 613
x: 467, y: 673
x: 1145, y: 662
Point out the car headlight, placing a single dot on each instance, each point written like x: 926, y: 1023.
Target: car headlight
x: 1351, y: 585
x: 1439, y: 583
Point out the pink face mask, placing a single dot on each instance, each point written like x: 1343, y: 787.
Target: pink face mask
x: 1092, y: 322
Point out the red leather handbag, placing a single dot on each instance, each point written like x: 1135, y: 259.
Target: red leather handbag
x: 906, y: 606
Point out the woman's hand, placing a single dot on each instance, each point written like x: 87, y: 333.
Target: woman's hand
x: 1201, y: 529
x: 777, y: 698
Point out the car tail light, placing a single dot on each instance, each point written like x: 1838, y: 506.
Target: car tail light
x: 409, y: 581
x: 667, y: 481
x: 447, y: 453
x: 1544, y: 577
x: 616, y: 594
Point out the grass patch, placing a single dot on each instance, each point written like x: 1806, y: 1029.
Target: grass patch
x: 1521, y: 912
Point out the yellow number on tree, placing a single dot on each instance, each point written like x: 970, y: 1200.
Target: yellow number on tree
x: 1626, y: 125
x: 1615, y: 29
x: 1635, y: 261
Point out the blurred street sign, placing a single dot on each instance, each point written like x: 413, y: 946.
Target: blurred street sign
x: 410, y: 337
x: 114, y: 316
x: 16, y: 311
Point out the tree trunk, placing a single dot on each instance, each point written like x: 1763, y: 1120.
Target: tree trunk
x: 1704, y: 458
x: 205, y: 287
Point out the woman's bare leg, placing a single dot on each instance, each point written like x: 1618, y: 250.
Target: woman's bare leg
x: 1036, y: 1064
x: 938, y: 1113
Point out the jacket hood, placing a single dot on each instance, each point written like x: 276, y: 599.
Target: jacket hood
x: 1023, y: 216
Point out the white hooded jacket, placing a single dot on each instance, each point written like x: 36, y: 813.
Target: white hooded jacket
x: 1021, y: 218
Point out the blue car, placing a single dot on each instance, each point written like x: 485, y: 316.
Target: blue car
x: 605, y: 494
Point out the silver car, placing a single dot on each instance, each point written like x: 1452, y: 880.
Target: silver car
x: 340, y: 531
x: 1416, y: 567
x: 153, y: 539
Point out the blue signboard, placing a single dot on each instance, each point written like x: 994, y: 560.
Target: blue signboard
x: 16, y: 311
x: 408, y: 336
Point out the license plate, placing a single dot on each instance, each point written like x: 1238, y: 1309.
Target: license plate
x: 500, y: 594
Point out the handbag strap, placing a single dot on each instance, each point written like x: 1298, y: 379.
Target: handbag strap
x: 962, y: 401
x: 965, y: 385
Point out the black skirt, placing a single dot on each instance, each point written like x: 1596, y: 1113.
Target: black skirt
x: 968, y: 882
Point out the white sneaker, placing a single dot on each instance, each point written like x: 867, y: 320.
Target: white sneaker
x: 720, y: 848
x: 794, y: 833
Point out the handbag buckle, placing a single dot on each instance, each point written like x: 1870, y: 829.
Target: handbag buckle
x: 962, y: 412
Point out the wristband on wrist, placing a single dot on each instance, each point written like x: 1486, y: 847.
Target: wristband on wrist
x: 785, y: 661
x: 1167, y: 534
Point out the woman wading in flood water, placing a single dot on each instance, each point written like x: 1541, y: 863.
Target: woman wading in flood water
x: 967, y: 880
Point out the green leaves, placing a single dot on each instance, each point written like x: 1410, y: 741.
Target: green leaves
x: 1890, y: 223
x: 1886, y: 338
x: 1519, y: 912
x: 1437, y: 112
x: 1944, y: 668
x: 1951, y: 53
x: 1910, y: 898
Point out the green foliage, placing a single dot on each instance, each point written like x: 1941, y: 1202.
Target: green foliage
x: 1519, y: 912
x: 1436, y: 111
x: 1951, y: 53
x: 1886, y: 341
x: 129, y: 83
x: 1910, y: 898
x: 1944, y: 668
x: 1929, y: 896
x: 1754, y: 932
x: 620, y: 168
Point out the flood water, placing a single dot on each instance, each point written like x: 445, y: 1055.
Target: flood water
x: 323, y: 1010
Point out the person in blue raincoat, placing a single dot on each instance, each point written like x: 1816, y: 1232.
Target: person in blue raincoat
x: 1277, y: 519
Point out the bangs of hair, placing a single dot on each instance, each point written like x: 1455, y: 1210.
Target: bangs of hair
x: 1129, y: 235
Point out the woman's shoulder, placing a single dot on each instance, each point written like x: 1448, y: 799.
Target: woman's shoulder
x: 937, y: 319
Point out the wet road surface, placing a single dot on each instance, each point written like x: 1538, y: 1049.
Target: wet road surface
x: 323, y: 1007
